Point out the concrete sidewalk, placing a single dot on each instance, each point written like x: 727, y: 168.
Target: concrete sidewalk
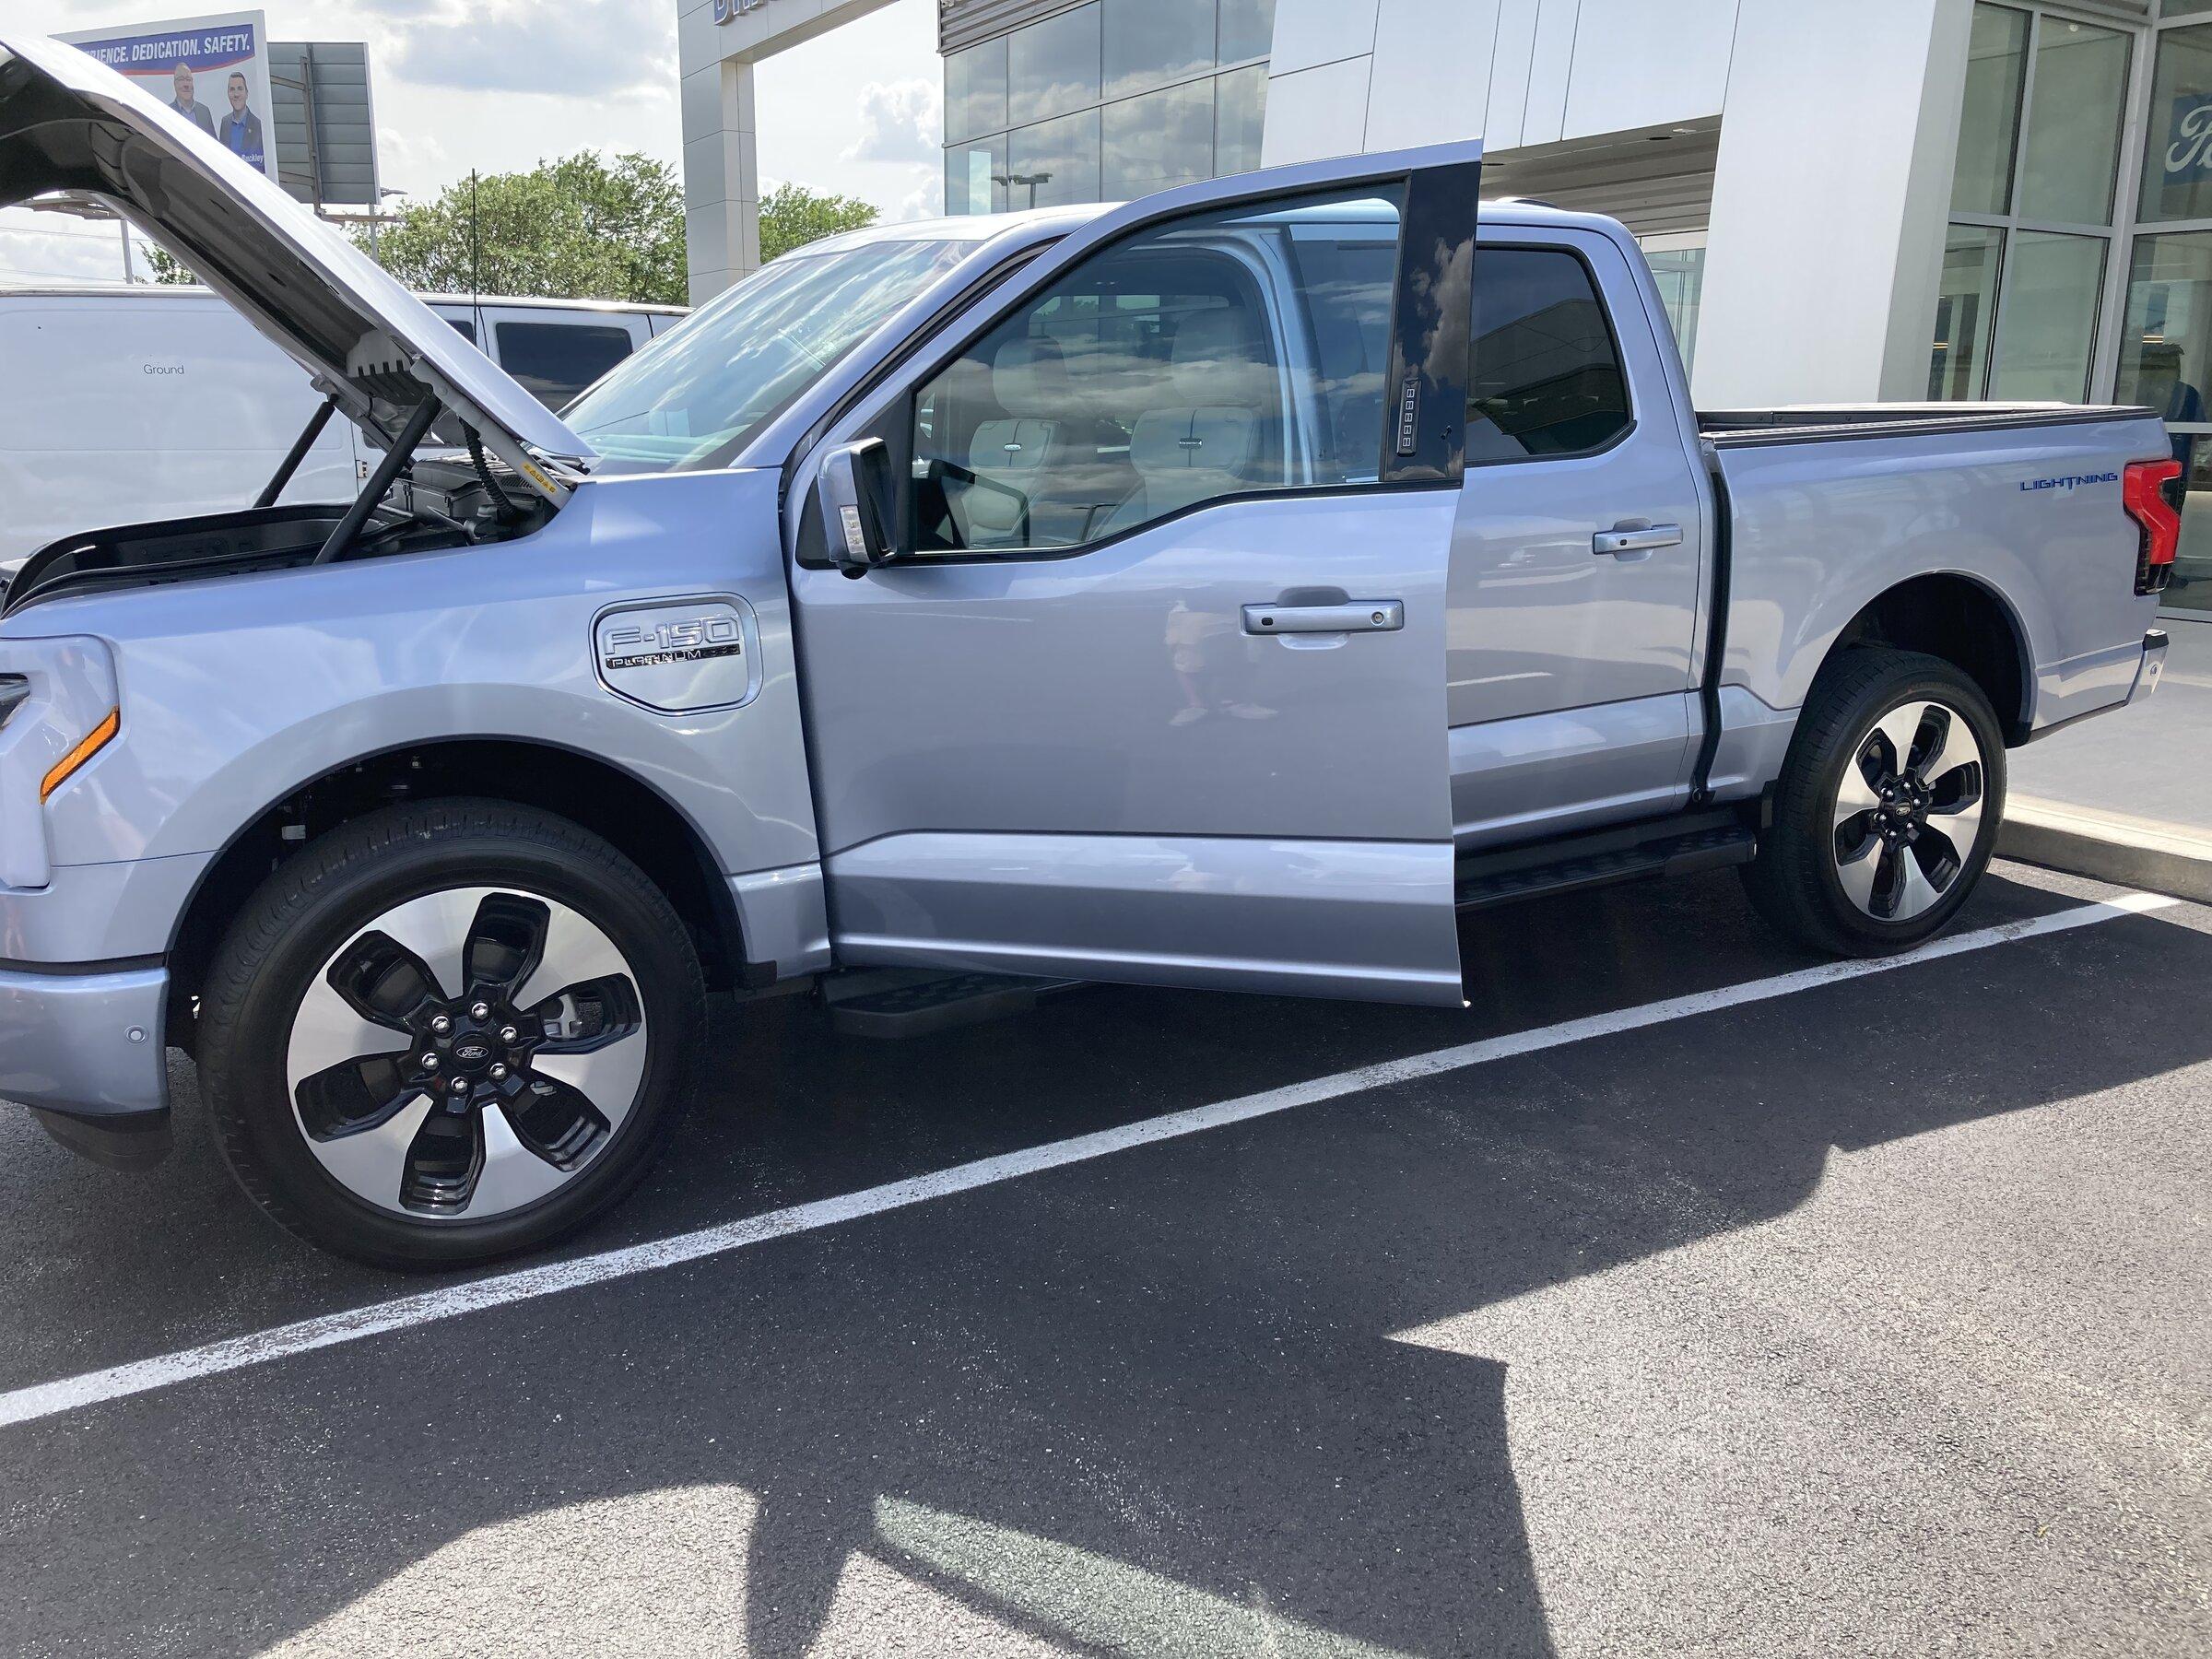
x: 2126, y: 798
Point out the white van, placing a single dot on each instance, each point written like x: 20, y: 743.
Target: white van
x: 159, y: 403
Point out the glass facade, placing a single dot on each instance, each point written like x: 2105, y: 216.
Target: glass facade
x: 2034, y: 199
x: 1108, y: 101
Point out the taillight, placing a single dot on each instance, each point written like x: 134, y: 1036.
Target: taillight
x: 2148, y: 490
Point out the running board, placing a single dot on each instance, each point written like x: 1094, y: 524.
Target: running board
x: 916, y: 1002
x: 1688, y: 845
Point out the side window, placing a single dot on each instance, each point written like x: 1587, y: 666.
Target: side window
x: 463, y: 327
x: 1210, y: 357
x: 556, y: 360
x: 1546, y: 378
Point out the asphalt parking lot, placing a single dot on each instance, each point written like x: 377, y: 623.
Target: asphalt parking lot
x: 1868, y: 1318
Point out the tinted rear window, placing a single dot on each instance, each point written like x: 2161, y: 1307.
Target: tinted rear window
x: 1547, y: 378
x: 556, y: 360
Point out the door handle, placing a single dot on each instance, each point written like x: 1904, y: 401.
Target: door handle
x: 1637, y: 538
x: 1352, y: 615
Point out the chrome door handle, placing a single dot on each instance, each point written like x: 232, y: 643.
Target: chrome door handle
x: 1354, y: 616
x: 1639, y: 540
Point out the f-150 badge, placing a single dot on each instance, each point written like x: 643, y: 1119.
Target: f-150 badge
x: 679, y: 655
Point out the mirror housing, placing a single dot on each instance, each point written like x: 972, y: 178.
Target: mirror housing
x: 853, y: 492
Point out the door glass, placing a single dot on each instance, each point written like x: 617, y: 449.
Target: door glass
x: 1052, y: 67
x: 1239, y: 108
x: 1172, y: 370
x: 1159, y: 140
x: 2049, y: 331
x: 975, y: 90
x: 1547, y: 379
x: 1681, y: 274
x: 2177, y: 161
x: 1996, y: 71
x: 2074, y: 125
x: 1054, y: 162
x: 1151, y: 41
x: 1966, y: 311
x: 556, y: 360
x: 2166, y: 345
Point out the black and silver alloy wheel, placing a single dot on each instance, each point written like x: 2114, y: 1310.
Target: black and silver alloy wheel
x: 1908, y: 810
x: 466, y: 1053
x: 1888, y: 806
x: 447, y: 1032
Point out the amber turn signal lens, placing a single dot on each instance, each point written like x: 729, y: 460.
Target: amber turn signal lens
x: 93, y: 742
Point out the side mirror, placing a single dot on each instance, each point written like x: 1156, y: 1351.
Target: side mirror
x: 854, y: 494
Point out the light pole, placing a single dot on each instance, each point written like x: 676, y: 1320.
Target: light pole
x: 1032, y: 180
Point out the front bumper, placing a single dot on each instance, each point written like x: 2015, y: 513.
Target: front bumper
x: 84, y: 1048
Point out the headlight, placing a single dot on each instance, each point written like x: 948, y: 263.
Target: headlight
x: 58, y: 710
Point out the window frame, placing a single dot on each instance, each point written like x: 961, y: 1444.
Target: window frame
x: 894, y: 420
x: 1525, y: 243
x: 551, y: 325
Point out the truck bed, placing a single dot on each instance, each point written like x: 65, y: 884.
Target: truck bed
x: 1812, y: 423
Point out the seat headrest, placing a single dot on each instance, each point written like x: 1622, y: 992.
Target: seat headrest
x: 1213, y: 361
x: 1029, y: 378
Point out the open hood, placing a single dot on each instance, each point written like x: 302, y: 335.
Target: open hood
x: 68, y: 123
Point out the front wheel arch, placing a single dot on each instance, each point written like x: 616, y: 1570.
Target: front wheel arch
x: 600, y: 797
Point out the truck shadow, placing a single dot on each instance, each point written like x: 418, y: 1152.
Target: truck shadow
x: 1148, y: 1405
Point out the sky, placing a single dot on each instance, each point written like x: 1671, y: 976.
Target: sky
x: 498, y: 84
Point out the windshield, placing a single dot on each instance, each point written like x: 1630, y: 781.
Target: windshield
x: 692, y: 396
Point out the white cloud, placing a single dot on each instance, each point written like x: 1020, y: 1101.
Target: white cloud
x: 899, y: 122
x: 588, y: 49
x: 927, y: 201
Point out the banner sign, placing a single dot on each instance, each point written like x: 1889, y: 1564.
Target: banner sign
x: 213, y: 72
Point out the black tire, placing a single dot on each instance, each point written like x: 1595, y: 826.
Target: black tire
x: 314, y: 903
x: 1795, y: 882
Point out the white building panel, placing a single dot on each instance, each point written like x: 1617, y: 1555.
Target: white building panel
x: 1640, y: 65
x: 1317, y: 112
x: 1312, y: 32
x: 1436, y: 64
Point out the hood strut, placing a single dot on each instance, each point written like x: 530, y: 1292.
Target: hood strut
x: 396, y: 460
x: 300, y: 445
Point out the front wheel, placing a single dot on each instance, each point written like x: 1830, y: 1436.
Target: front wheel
x: 447, y: 1033
x: 1887, y: 806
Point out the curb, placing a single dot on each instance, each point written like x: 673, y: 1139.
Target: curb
x: 2107, y: 846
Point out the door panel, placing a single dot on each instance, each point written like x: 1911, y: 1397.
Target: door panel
x: 1546, y: 774
x: 1545, y: 617
x: 1016, y: 715
x: 1092, y: 726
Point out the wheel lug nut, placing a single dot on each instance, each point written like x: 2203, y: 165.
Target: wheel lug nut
x: 458, y: 1085
x: 498, y: 1072
x: 429, y: 1063
x: 480, y: 1011
x: 509, y: 1034
x: 441, y: 1025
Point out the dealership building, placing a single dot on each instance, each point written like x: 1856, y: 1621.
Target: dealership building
x: 1844, y: 199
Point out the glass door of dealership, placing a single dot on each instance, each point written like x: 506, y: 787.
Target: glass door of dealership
x: 2078, y: 263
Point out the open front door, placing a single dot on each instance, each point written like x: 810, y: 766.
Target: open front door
x: 1155, y: 691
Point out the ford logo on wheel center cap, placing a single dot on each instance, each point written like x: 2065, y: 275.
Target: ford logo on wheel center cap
x: 472, y: 1050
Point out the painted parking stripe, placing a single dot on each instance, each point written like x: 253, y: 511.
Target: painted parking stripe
x: 236, y: 1353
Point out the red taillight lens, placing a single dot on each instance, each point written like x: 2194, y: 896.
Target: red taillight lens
x: 2145, y: 490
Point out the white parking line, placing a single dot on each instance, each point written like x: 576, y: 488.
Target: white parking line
x: 68, y: 1393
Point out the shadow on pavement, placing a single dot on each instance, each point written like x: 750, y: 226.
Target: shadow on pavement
x: 1105, y: 1405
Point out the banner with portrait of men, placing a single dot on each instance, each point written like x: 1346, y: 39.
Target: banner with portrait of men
x: 212, y: 72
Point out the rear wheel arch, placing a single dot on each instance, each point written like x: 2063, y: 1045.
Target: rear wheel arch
x: 1965, y: 622
x: 589, y: 792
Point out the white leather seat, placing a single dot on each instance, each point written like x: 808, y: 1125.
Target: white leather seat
x: 1211, y: 440
x: 1030, y: 381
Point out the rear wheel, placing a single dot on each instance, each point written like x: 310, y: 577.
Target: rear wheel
x: 1887, y: 806
x: 447, y: 1033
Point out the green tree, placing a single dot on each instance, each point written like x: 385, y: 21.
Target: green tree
x: 168, y: 268
x: 793, y: 214
x: 576, y: 228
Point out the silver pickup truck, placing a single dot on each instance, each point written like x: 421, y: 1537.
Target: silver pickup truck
x: 1229, y: 590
